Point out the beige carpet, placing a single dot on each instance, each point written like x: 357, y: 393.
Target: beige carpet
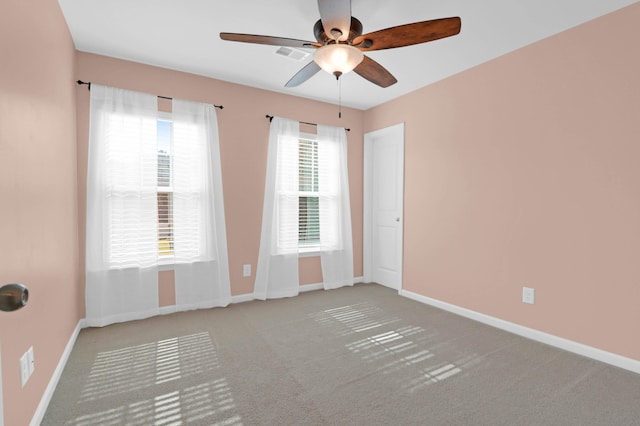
x: 354, y: 356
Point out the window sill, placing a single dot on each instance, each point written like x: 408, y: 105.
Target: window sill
x: 166, y: 263
x: 309, y: 252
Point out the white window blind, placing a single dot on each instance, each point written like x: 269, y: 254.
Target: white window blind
x: 192, y: 177
x: 129, y: 237
x: 130, y: 182
x: 165, y: 189
x: 308, y: 213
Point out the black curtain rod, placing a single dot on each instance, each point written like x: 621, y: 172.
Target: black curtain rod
x: 270, y: 117
x: 80, y: 82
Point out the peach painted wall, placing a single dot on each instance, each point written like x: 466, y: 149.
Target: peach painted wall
x: 524, y: 172
x: 244, y: 133
x: 38, y: 187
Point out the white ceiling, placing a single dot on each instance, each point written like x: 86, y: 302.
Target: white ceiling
x: 184, y: 35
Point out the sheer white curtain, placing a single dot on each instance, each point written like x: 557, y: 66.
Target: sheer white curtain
x: 334, y: 208
x: 277, y: 271
x: 122, y: 232
x: 199, y: 235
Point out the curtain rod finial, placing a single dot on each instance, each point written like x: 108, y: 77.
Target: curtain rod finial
x: 80, y: 82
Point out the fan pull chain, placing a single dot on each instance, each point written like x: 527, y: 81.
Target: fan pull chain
x: 339, y: 98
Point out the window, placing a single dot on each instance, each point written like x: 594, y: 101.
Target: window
x: 306, y: 209
x: 154, y: 200
x: 308, y: 196
x: 165, y: 188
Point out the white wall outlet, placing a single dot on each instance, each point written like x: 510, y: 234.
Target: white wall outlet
x: 24, y: 369
x: 246, y: 270
x: 528, y: 295
x: 27, y: 365
x: 31, y: 361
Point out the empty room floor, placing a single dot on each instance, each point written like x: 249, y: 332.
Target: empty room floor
x: 358, y: 355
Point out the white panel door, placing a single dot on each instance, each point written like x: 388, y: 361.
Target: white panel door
x: 384, y: 198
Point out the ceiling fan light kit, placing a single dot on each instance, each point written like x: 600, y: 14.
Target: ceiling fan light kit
x: 340, y: 43
x: 338, y: 59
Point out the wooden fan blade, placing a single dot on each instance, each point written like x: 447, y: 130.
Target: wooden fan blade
x: 375, y: 73
x: 409, y: 34
x: 335, y: 14
x: 304, y: 74
x: 273, y: 41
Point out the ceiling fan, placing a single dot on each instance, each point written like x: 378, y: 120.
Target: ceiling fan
x: 340, y: 43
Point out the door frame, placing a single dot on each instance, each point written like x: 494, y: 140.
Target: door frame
x: 396, y: 130
x: 1, y: 397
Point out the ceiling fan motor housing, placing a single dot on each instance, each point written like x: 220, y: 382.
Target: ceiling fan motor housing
x: 322, y: 37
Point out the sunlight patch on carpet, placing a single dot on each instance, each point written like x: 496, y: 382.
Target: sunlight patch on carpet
x: 356, y: 318
x: 399, y: 351
x: 127, y: 379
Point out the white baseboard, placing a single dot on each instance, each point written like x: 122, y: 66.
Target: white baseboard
x: 311, y: 287
x: 530, y: 333
x: 303, y: 289
x: 167, y: 310
x: 55, y: 378
x: 242, y: 298
x: 319, y: 286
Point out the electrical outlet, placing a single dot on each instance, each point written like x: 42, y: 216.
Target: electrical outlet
x: 528, y: 295
x: 31, y: 362
x: 246, y: 270
x: 27, y: 365
x: 24, y: 369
